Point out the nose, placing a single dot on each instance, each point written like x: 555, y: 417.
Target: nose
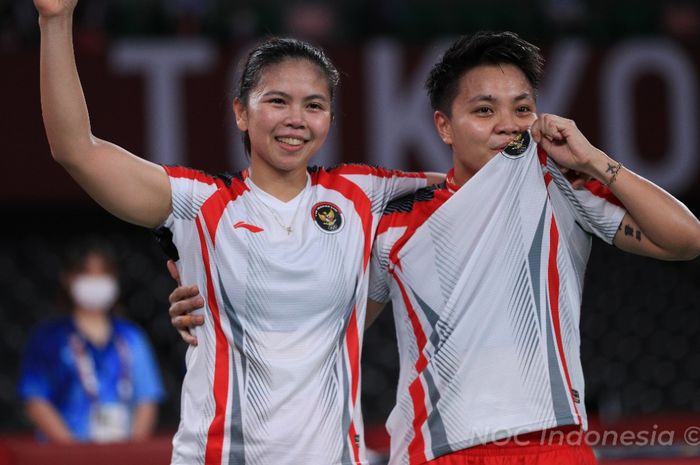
x: 295, y: 117
x: 509, y: 124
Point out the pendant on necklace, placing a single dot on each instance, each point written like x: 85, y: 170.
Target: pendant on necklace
x: 288, y: 229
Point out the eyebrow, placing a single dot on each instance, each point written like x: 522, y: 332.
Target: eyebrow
x: 491, y: 98
x: 286, y: 95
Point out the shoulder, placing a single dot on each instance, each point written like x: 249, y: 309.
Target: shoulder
x: 53, y: 326
x: 365, y: 169
x: 221, y: 179
x: 51, y: 333
x: 412, y: 210
x: 407, y: 203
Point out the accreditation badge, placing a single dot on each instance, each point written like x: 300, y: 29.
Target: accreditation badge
x: 109, y: 423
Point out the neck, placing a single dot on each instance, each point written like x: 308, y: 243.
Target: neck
x: 460, y: 175
x: 94, y: 325
x: 282, y: 185
x: 463, y: 172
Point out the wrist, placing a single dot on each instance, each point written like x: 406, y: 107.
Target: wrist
x: 602, y: 167
x: 65, y: 19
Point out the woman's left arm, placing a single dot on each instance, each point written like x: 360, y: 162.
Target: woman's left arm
x: 656, y: 224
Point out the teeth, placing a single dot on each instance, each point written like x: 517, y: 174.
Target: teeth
x: 290, y: 140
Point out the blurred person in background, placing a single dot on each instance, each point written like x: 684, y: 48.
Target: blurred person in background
x: 90, y: 376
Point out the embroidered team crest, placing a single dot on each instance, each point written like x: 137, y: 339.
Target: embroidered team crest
x: 518, y: 146
x: 328, y: 217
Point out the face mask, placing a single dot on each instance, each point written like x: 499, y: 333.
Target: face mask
x: 94, y: 292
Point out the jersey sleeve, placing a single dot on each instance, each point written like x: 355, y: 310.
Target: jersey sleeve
x: 379, y: 289
x: 595, y: 208
x: 382, y: 185
x: 190, y: 189
x: 378, y: 285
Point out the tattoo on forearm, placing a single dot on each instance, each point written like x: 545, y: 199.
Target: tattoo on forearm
x: 630, y: 231
x: 611, y: 168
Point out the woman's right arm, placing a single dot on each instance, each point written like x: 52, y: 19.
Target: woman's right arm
x: 129, y: 187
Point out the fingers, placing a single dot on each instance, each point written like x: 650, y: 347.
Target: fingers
x: 185, y: 322
x: 551, y: 127
x: 184, y: 292
x: 187, y: 337
x: 185, y: 305
x: 172, y: 268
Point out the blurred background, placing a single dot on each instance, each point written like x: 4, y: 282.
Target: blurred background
x: 159, y: 76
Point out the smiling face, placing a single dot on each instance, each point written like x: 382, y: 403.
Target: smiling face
x: 493, y: 104
x: 287, y: 117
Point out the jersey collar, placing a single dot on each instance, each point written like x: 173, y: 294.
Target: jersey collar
x: 450, y: 181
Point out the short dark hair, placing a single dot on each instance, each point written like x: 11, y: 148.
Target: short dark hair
x: 273, y: 51
x: 481, y: 48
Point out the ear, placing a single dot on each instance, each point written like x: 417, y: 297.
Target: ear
x: 241, y: 112
x: 443, y: 126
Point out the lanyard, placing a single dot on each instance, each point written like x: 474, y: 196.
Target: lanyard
x: 88, y: 374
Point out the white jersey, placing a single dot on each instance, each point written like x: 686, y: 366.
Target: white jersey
x: 275, y: 377
x: 486, y: 283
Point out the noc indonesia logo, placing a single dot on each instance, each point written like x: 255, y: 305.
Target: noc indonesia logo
x: 327, y: 217
x: 518, y: 145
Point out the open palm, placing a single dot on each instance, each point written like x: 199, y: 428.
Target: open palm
x: 48, y: 8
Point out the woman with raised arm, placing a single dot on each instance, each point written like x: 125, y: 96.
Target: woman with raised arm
x: 280, y: 252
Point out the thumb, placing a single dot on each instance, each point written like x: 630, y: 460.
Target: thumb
x: 174, y: 273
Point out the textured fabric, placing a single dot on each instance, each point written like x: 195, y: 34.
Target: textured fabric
x: 275, y: 377
x: 50, y: 372
x: 486, y: 287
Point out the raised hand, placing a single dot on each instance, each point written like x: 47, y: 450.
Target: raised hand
x: 50, y: 8
x: 563, y: 141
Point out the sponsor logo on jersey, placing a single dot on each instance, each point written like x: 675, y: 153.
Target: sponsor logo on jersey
x: 248, y: 226
x: 517, y: 146
x: 328, y: 217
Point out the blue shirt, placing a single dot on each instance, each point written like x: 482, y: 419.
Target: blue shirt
x: 125, y: 370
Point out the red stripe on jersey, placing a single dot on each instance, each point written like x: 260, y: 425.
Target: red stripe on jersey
x: 213, y: 209
x: 416, y: 449
x: 547, y: 179
x: 599, y: 190
x: 352, y: 341
x: 352, y: 192
x: 375, y: 171
x: 189, y: 173
x: 542, y: 157
x: 553, y: 288
x: 215, y: 435
x: 353, y: 344
x: 353, y: 442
